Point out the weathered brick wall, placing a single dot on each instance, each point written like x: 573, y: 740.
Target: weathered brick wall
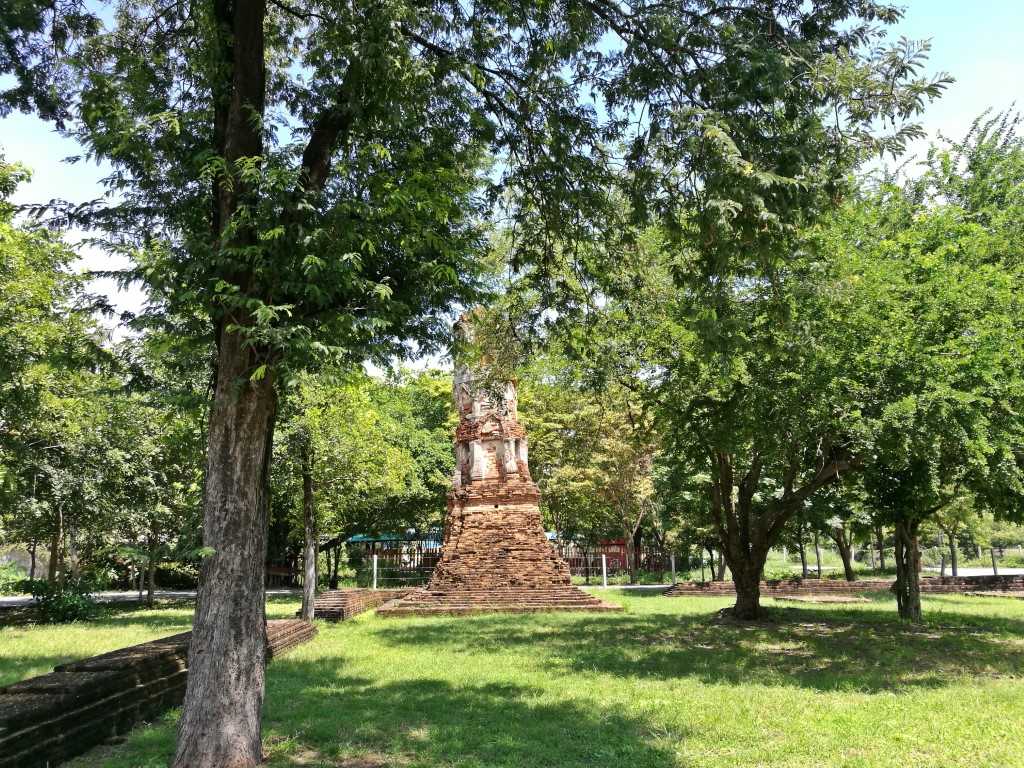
x: 48, y: 719
x: 838, y: 587
x: 342, y: 604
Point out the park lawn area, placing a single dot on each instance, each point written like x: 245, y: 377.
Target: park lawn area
x: 35, y: 649
x: 665, y: 683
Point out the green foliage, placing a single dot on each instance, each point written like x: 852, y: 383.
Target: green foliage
x: 11, y: 578
x: 380, y: 451
x: 63, y: 603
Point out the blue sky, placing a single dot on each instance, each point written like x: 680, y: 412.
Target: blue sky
x: 979, y: 42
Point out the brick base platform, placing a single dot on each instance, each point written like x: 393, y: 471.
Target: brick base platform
x: 839, y: 587
x: 48, y: 719
x: 342, y: 604
x: 467, y: 601
x: 496, y: 557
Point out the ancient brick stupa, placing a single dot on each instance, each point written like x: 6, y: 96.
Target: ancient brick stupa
x: 495, y: 556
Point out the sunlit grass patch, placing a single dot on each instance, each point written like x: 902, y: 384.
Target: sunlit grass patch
x: 668, y: 682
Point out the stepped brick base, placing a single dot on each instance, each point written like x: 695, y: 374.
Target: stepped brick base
x: 466, y: 601
x: 838, y: 587
x: 496, y: 557
x: 342, y: 604
x: 48, y: 719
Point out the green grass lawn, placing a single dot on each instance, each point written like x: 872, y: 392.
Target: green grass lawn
x: 665, y: 683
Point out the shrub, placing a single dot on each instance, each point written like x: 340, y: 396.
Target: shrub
x: 62, y: 603
x: 11, y: 578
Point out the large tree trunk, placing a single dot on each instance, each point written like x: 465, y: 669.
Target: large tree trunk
x: 720, y: 574
x: 845, y: 547
x: 747, y: 578
x: 55, y: 544
x: 220, y: 717
x: 309, y: 535
x: 908, y: 559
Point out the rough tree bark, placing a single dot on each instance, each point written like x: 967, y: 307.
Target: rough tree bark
x: 309, y: 550
x: 220, y: 717
x: 748, y: 589
x: 908, y: 559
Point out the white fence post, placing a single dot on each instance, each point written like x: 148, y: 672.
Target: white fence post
x: 374, y: 571
x: 672, y: 560
x: 604, y: 570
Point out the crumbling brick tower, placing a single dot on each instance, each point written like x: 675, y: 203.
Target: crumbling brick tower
x: 495, y: 556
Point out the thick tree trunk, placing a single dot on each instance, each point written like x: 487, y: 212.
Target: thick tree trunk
x: 721, y: 566
x: 845, y: 547
x: 55, y: 543
x: 309, y: 535
x: 747, y: 579
x: 908, y: 585
x: 220, y: 717
x: 880, y: 537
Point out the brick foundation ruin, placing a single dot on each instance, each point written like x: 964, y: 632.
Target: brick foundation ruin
x: 48, y: 719
x: 495, y: 555
x: 1011, y: 585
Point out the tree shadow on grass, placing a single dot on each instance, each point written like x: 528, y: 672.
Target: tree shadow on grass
x: 317, y: 716
x: 816, y: 648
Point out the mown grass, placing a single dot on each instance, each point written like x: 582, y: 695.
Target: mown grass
x: 28, y: 649
x: 666, y: 683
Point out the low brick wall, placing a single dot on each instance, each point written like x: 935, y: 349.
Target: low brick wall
x: 48, y: 719
x: 839, y: 587
x: 342, y: 604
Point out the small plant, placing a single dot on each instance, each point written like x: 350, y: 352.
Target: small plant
x: 63, y: 603
x: 11, y: 578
